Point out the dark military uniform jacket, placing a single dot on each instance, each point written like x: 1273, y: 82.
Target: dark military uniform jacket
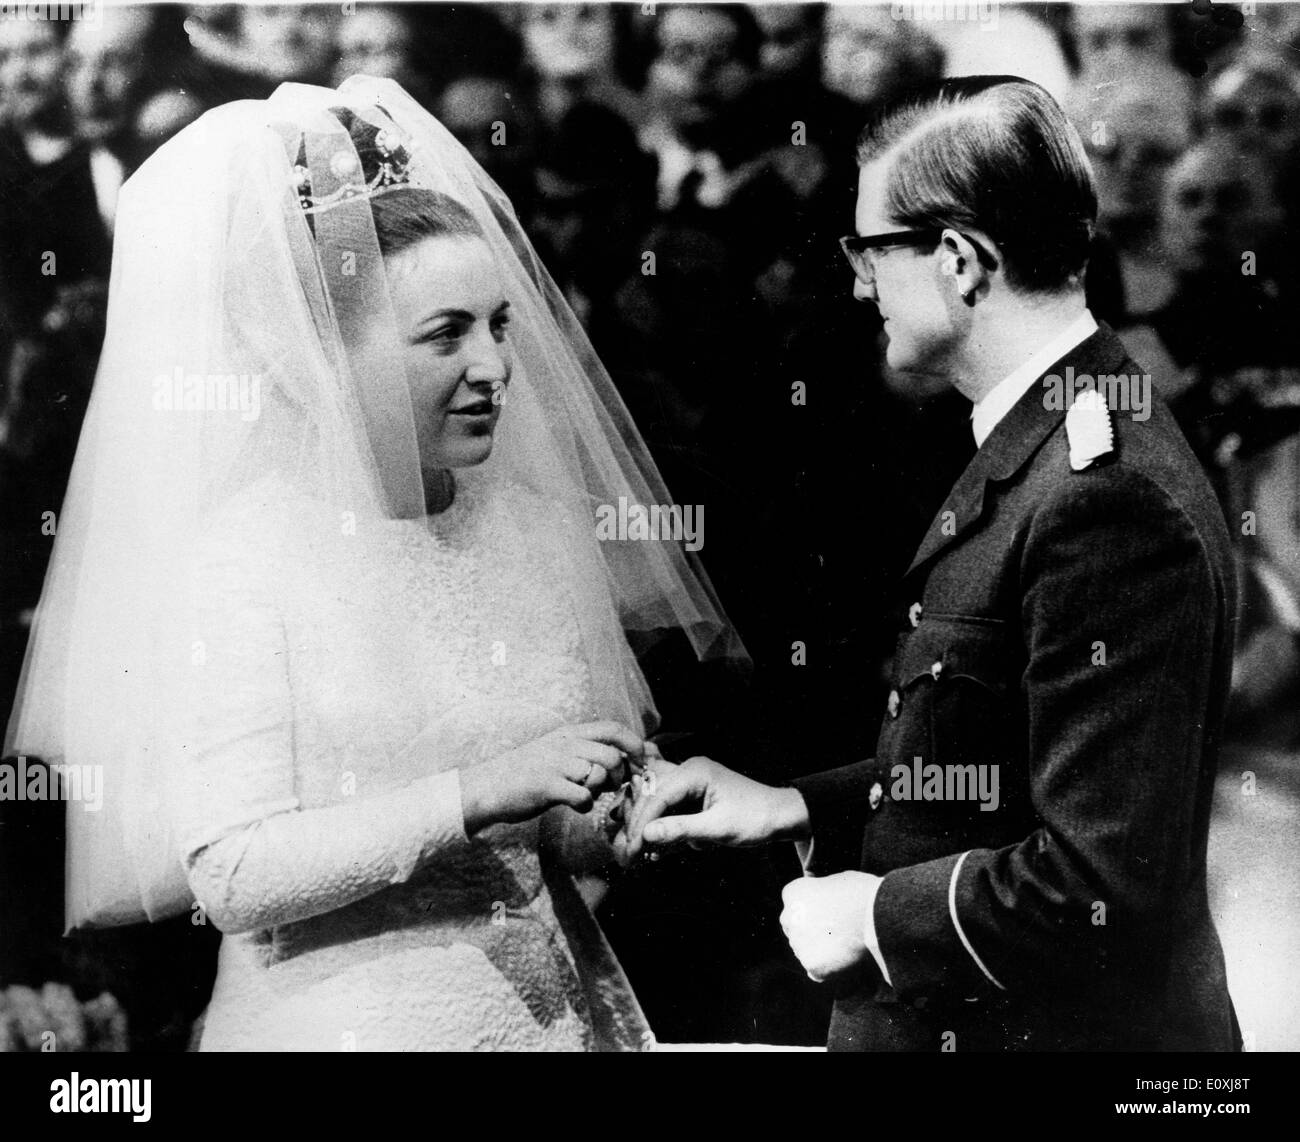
x: 1074, y: 630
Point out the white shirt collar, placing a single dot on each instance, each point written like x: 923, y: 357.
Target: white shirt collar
x: 1000, y: 399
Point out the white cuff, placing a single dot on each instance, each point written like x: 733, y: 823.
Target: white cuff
x: 449, y: 797
x: 805, y: 851
x: 869, y: 928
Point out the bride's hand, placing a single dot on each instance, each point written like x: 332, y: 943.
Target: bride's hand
x: 569, y: 766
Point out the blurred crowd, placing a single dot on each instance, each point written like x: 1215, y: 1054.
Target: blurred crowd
x: 684, y: 171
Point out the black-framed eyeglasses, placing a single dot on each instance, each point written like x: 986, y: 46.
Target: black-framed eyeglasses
x: 856, y: 248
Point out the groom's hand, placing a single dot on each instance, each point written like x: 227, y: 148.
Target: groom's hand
x: 730, y: 809
x: 825, y: 921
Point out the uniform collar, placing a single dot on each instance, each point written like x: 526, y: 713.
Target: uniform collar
x: 1013, y: 443
x: 1000, y: 400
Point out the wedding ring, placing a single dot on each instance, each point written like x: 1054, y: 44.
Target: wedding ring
x: 591, y: 772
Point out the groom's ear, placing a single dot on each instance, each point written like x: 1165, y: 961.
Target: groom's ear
x: 960, y: 262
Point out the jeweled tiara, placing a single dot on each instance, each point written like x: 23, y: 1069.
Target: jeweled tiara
x: 393, y: 163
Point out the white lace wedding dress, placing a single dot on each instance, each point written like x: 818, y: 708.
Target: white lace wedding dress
x: 328, y: 848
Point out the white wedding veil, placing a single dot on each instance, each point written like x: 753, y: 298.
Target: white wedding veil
x: 230, y: 355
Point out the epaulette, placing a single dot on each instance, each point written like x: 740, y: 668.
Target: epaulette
x: 1089, y: 430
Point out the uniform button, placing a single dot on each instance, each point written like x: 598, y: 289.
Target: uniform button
x: 894, y: 702
x: 875, y: 796
x: 936, y: 669
x: 914, y: 615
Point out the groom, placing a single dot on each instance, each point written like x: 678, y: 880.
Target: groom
x: 1022, y: 864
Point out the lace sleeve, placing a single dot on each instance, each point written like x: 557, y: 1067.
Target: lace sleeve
x: 253, y: 855
x: 303, y: 862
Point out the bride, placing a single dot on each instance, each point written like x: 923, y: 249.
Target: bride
x: 326, y: 605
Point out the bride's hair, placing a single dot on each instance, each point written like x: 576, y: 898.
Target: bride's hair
x: 409, y: 214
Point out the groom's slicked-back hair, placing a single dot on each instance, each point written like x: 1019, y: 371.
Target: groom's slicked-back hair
x: 997, y: 154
